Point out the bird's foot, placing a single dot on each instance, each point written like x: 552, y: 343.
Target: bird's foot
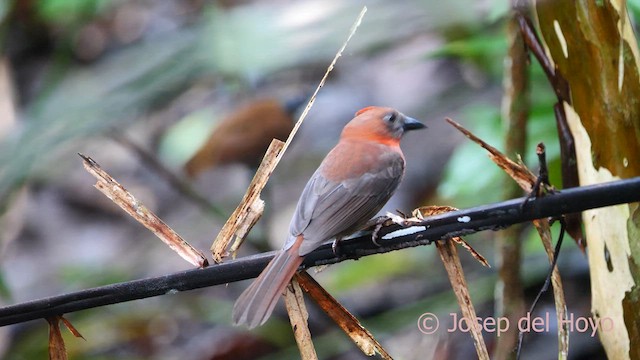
x: 379, y: 224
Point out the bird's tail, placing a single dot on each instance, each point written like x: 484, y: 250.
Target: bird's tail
x: 256, y: 303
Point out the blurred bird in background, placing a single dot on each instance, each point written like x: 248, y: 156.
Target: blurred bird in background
x: 244, y: 136
x: 353, y: 182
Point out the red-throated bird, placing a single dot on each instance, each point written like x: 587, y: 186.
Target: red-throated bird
x: 351, y: 185
x: 245, y: 135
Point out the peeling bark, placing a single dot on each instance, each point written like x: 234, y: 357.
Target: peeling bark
x: 593, y: 46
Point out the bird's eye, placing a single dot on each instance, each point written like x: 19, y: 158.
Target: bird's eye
x: 391, y: 117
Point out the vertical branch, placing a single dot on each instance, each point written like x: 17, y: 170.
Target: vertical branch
x: 294, y: 301
x: 250, y: 209
x: 509, y: 297
x: 449, y: 255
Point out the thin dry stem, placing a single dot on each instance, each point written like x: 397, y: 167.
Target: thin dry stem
x: 525, y: 178
x: 341, y: 316
x: 298, y: 315
x: 449, y: 256
x: 250, y: 209
x: 543, y: 228
x: 123, y: 198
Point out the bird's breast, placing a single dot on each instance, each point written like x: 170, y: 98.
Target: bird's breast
x: 354, y: 159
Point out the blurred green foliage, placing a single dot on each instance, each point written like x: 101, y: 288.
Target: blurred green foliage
x: 84, y: 102
x: 470, y: 169
x: 481, y: 48
x: 372, y: 269
x: 68, y: 13
x: 82, y: 277
x: 4, y: 9
x: 634, y: 8
x: 91, y: 101
x: 196, y: 127
x: 5, y: 293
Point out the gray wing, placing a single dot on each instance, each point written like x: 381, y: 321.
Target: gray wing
x: 327, y: 209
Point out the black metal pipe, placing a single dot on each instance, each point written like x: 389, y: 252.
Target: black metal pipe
x: 488, y: 217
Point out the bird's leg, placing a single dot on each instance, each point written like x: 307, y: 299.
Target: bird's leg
x: 334, y: 245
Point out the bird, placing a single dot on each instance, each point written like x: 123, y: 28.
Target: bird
x: 353, y: 182
x: 244, y: 136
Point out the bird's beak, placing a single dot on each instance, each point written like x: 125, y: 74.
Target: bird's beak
x: 412, y: 124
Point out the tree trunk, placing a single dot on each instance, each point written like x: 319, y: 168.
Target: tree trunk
x: 594, y: 48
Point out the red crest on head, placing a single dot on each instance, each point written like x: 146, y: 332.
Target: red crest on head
x: 364, y: 110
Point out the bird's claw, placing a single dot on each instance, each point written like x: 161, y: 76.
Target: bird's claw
x: 334, y: 246
x: 374, y: 234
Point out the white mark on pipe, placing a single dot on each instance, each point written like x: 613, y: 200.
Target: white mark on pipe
x: 404, y: 232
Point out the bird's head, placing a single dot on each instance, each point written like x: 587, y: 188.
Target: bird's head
x: 382, y: 124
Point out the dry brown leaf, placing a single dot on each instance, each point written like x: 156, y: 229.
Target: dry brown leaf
x: 519, y: 173
x: 123, y: 198
x: 425, y: 211
x: 72, y: 328
x: 298, y: 315
x: 57, y: 350
x: 341, y: 316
